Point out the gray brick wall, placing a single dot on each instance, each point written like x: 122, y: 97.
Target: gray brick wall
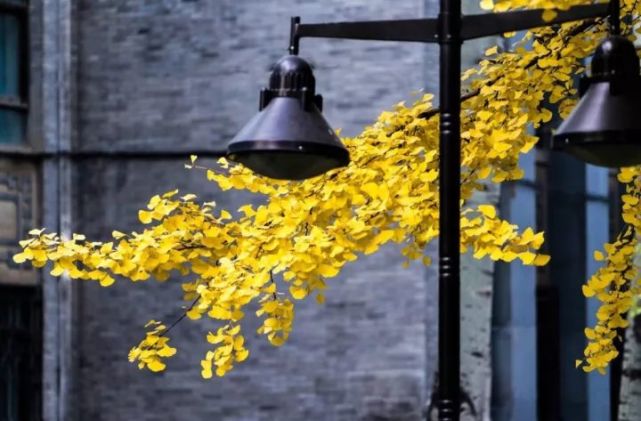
x: 171, y: 74
x: 184, y: 74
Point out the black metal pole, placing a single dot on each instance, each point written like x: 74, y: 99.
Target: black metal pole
x: 450, y: 29
x: 615, y: 17
x: 449, y: 336
x: 294, y: 38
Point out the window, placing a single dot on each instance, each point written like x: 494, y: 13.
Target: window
x: 539, y: 314
x: 13, y: 71
x: 20, y: 338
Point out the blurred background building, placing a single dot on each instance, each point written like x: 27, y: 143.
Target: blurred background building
x: 101, y: 104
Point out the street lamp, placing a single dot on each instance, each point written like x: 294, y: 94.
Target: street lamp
x: 289, y: 139
x: 605, y: 127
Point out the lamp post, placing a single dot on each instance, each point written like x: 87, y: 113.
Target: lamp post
x: 289, y: 138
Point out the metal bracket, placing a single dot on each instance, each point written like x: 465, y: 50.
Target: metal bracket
x: 426, y: 30
x: 479, y: 26
x: 411, y: 30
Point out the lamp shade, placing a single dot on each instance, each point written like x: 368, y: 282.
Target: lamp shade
x: 605, y: 127
x: 289, y: 138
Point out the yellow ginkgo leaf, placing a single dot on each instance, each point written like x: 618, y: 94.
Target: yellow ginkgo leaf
x: 541, y: 260
x: 106, y: 281
x: 241, y: 355
x: 156, y: 365
x: 328, y: 271
x: 144, y: 216
x: 298, y: 292
x: 492, y: 50
x: 167, y: 352
x: 371, y: 189
x: 587, y: 291
x: 488, y: 210
x: 487, y: 4
x: 117, y: 234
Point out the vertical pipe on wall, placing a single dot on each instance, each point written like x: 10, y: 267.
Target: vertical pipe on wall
x: 64, y: 115
x: 449, y: 210
x: 56, y: 121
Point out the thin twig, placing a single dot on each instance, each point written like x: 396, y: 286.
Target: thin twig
x: 178, y: 320
x: 271, y: 278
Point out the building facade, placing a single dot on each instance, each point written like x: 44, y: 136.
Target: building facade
x: 102, y: 102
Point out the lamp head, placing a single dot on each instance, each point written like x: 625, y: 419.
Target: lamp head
x: 289, y: 138
x: 605, y: 127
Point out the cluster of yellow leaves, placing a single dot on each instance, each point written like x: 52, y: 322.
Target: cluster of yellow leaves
x: 231, y: 348
x: 151, y: 350
x: 492, y: 235
x: 617, y: 282
x: 305, y: 232
x: 280, y: 314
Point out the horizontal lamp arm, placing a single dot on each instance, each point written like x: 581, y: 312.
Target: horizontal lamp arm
x: 411, y: 30
x: 488, y: 24
x: 427, y: 30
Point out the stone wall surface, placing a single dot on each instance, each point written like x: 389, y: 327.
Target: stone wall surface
x: 359, y: 355
x: 183, y: 75
x: 168, y: 75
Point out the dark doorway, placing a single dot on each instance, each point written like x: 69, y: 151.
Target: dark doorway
x: 20, y: 353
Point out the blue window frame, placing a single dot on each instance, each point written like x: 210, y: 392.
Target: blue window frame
x: 539, y: 314
x: 13, y: 71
